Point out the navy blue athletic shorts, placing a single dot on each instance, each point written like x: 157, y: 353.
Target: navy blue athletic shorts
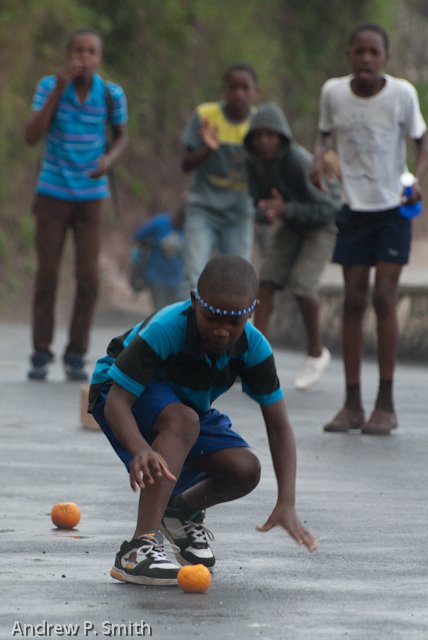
x: 369, y: 237
x: 215, y: 430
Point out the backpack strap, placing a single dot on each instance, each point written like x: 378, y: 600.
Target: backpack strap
x: 109, y: 103
x: 111, y: 176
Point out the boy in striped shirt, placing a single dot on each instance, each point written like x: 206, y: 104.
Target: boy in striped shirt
x: 152, y: 396
x: 71, y: 110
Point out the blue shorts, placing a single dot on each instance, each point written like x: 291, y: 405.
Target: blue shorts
x: 215, y: 430
x: 369, y: 237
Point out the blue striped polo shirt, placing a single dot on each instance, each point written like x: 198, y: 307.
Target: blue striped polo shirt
x: 169, y: 347
x: 76, y: 138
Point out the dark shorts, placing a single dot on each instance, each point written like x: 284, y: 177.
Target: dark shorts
x: 215, y: 430
x: 369, y: 237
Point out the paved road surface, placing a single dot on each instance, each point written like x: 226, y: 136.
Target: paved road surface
x: 365, y: 499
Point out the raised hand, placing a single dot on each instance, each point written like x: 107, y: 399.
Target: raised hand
x: 209, y: 134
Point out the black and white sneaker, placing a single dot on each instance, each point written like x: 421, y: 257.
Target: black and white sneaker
x: 190, y: 536
x: 143, y: 561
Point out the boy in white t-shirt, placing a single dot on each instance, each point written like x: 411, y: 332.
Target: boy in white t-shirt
x: 370, y: 114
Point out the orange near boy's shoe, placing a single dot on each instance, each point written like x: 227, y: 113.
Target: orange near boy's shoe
x: 346, y: 420
x: 380, y: 423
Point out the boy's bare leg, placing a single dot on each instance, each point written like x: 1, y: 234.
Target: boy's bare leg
x: 309, y: 308
x: 177, y: 428
x: 383, y: 419
x: 233, y: 473
x: 355, y: 304
x: 263, y: 311
x: 385, y: 301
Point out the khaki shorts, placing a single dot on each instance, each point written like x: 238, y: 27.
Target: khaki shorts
x: 296, y: 259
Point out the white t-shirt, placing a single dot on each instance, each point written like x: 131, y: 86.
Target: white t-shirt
x: 371, y: 138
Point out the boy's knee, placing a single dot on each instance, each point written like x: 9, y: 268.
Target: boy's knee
x: 179, y: 421
x: 384, y: 301
x: 254, y: 473
x: 247, y: 472
x: 355, y: 304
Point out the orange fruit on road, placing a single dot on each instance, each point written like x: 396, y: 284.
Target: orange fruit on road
x: 65, y: 515
x: 194, y: 578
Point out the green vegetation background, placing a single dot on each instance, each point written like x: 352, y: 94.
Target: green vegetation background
x: 169, y: 55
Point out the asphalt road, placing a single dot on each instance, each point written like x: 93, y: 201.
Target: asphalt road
x: 363, y: 497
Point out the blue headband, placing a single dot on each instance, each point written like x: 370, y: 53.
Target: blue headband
x: 222, y: 312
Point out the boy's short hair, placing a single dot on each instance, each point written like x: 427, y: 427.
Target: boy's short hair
x: 82, y: 32
x: 240, y: 66
x: 230, y: 275
x: 370, y: 26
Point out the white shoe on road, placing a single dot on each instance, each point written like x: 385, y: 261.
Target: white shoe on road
x: 312, y: 370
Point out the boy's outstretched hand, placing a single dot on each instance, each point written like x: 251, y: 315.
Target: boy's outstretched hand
x: 147, y: 466
x: 209, y: 134
x: 286, y: 516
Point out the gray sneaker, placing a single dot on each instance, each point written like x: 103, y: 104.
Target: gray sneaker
x: 190, y: 536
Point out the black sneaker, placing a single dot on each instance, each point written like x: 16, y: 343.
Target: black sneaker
x: 74, y: 370
x: 143, y: 561
x: 39, y: 365
x: 190, y: 536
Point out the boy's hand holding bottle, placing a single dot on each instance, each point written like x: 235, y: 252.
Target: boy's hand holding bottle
x: 411, y: 204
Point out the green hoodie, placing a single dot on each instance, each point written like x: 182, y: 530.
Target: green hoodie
x: 289, y: 173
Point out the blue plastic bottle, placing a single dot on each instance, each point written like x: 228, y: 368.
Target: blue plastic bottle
x: 409, y: 210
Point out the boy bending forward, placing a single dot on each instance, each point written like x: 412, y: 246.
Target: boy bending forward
x: 152, y: 397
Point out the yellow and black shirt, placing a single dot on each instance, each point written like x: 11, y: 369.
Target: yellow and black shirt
x: 220, y: 185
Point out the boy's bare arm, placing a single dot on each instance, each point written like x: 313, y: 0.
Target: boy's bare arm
x: 320, y: 166
x: 146, y: 464
x: 283, y: 450
x: 420, y: 168
x: 39, y: 121
x: 120, y: 141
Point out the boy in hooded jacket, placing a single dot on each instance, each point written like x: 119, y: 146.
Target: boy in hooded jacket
x: 303, y: 242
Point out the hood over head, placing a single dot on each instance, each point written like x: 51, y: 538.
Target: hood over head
x: 268, y: 116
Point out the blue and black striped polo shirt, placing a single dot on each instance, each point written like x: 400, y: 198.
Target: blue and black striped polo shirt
x: 168, y: 346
